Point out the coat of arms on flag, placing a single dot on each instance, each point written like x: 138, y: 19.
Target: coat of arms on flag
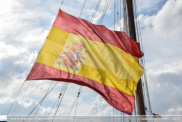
x: 72, y: 56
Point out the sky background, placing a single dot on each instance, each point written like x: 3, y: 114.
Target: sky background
x: 25, y: 24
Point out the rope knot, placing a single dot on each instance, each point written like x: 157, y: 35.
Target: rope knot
x: 60, y: 95
x: 78, y: 94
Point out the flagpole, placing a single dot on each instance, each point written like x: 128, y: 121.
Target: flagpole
x: 132, y: 33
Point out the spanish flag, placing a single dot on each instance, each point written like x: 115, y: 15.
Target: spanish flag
x: 83, y: 53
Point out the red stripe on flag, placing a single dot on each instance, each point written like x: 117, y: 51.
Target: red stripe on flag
x: 117, y: 99
x: 98, y: 33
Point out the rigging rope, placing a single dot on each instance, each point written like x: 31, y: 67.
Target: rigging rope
x: 120, y: 16
x: 118, y: 12
x: 114, y: 13
x: 61, y: 92
x: 82, y: 8
x: 59, y: 103
x: 79, y: 91
x: 105, y: 6
x: 16, y: 97
x: 95, y: 10
x: 113, y: 114
x: 109, y: 113
x: 61, y: 3
x: 108, y: 5
x: 42, y: 99
x: 72, y: 106
x: 76, y: 108
x: 64, y: 90
x: 143, y: 61
x: 53, y: 105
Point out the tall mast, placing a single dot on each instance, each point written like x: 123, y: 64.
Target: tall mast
x: 132, y: 33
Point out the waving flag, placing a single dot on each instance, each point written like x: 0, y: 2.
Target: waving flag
x: 80, y: 52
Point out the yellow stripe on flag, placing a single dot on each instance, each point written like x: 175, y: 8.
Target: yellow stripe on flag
x: 106, y: 78
x: 52, y: 47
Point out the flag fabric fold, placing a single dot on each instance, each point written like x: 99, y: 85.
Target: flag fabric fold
x: 80, y: 52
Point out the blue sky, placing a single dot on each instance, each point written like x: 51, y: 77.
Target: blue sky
x: 24, y: 26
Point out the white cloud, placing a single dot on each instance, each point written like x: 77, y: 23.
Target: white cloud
x: 176, y: 111
x: 21, y: 106
x: 118, y: 26
x: 100, y: 107
x: 168, y: 21
x: 161, y: 33
x: 9, y: 50
x: 146, y: 5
